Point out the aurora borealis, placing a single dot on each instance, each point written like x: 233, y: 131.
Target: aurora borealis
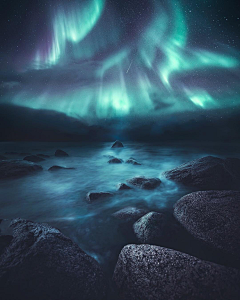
x: 105, y: 59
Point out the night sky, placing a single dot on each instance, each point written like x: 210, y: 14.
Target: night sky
x: 108, y: 62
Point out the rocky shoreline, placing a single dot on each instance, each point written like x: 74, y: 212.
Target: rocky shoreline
x: 38, y: 262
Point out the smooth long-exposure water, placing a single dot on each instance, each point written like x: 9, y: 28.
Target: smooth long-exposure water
x: 58, y: 198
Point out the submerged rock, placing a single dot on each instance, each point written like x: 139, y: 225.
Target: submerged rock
x: 3, y: 157
x: 43, y: 155
x: 117, y: 144
x: 33, y: 158
x: 115, y: 161
x: 91, y: 196
x: 41, y: 263
x: 123, y: 186
x: 129, y: 214
x: 212, y: 217
x: 132, y: 161
x: 57, y: 168
x: 145, y: 183
x: 61, y: 153
x: 14, y: 169
x: 150, y: 228
x: 152, y: 272
x: 208, y: 173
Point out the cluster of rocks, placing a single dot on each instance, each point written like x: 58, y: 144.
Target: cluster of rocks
x: 39, y: 262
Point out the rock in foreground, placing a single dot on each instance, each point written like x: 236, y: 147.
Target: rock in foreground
x: 33, y: 158
x: 208, y: 173
x: 57, y: 168
x: 151, y: 272
x: 41, y: 263
x: 150, y: 228
x: 145, y: 183
x: 91, y: 196
x: 14, y: 169
x: 61, y: 153
x: 212, y: 217
x: 117, y: 144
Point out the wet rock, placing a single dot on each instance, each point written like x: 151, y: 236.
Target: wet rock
x: 57, y: 168
x: 212, y: 217
x: 43, y: 155
x: 145, y: 183
x: 33, y: 158
x: 5, y: 240
x: 41, y: 263
x: 132, y: 161
x: 91, y: 196
x: 152, y: 272
x: 129, y: 214
x: 208, y: 173
x: 3, y: 157
x: 117, y: 144
x: 115, y: 161
x: 61, y: 153
x: 14, y: 169
x: 123, y: 186
x: 150, y: 228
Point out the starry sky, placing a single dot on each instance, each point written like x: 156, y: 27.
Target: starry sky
x: 105, y: 60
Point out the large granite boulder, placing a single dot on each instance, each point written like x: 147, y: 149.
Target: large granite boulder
x: 33, y: 158
x: 208, y: 173
x: 145, y: 183
x: 117, y: 144
x: 61, y: 153
x: 212, y: 217
x: 150, y: 228
x: 93, y: 196
x: 41, y: 263
x: 152, y: 272
x: 14, y: 169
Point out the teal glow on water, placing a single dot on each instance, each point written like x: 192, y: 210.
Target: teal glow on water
x: 58, y: 198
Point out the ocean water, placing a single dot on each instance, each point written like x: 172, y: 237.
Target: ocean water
x: 58, y: 198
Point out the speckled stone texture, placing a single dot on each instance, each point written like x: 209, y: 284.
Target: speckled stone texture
x: 208, y: 173
x: 41, y: 263
x: 213, y: 217
x: 155, y: 273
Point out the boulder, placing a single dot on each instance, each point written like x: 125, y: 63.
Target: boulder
x: 41, y: 263
x: 208, y: 173
x: 33, y: 158
x: 156, y: 273
x: 115, y: 161
x: 57, y: 168
x: 145, y: 183
x: 5, y: 240
x: 132, y: 162
x: 123, y: 186
x: 129, y: 214
x: 43, y: 155
x: 61, y: 153
x: 91, y: 196
x: 212, y: 217
x: 14, y: 169
x: 150, y: 228
x: 3, y: 157
x: 117, y: 144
